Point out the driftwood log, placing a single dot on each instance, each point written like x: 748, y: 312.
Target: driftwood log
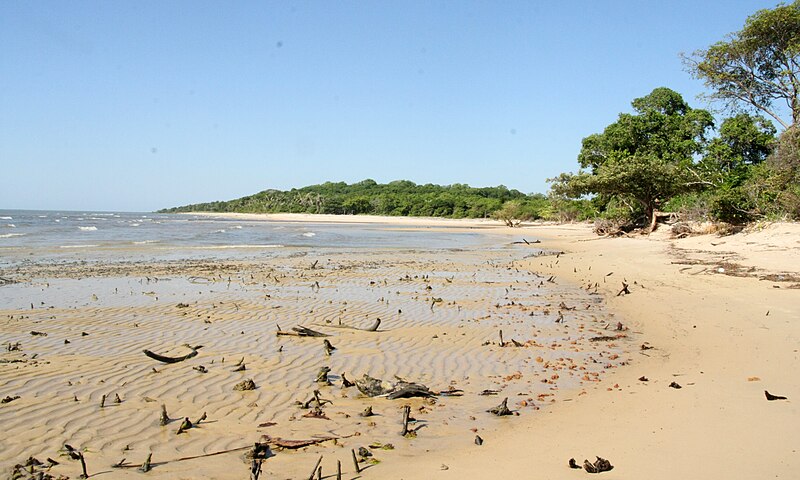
x: 372, y: 328
x: 301, y: 331
x: 165, y: 359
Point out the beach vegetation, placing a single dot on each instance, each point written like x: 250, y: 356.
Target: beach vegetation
x: 644, y: 158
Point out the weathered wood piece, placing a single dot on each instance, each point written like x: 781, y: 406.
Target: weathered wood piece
x: 501, y: 409
x: 165, y: 359
x: 301, y: 331
x: 600, y: 465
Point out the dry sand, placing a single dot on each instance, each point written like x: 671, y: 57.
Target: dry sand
x: 723, y: 338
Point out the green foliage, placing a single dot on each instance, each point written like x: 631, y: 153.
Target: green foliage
x: 758, y: 65
x: 398, y: 198
x: 643, y: 158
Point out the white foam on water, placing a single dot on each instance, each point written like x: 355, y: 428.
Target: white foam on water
x: 135, y: 224
x: 145, y: 242
x: 237, y: 227
x: 228, y: 247
x: 9, y: 235
x: 219, y: 231
x: 6, y: 218
x: 11, y: 225
x: 309, y: 234
x: 87, y: 229
x: 78, y: 246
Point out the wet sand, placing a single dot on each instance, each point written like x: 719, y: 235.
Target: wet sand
x: 441, y: 313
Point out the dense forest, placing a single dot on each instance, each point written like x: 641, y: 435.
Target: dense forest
x: 663, y: 156
x: 398, y: 198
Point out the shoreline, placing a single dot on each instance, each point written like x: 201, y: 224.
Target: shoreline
x: 723, y: 337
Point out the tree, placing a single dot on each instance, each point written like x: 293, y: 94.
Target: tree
x: 757, y: 66
x: 644, y: 157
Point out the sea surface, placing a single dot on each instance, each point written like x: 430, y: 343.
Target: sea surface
x: 63, y: 236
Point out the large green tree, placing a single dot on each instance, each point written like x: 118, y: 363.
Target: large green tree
x: 645, y: 157
x: 757, y: 67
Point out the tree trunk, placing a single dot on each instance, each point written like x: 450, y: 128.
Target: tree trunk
x: 650, y: 212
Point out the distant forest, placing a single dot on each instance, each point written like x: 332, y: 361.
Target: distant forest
x: 398, y: 198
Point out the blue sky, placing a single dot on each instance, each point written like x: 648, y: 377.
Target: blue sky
x: 142, y: 105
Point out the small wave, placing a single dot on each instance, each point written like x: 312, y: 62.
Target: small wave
x: 219, y: 231
x: 42, y: 216
x: 226, y: 247
x: 237, y: 227
x: 135, y: 224
x: 11, y: 225
x: 58, y: 220
x: 87, y: 229
x: 77, y: 246
x: 145, y: 242
x: 9, y: 235
x: 309, y: 234
x: 6, y: 218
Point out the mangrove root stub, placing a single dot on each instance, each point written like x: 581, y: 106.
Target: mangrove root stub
x: 248, y: 384
x: 322, y: 375
x: 185, y: 425
x: 164, y: 420
x: 573, y: 464
x: 146, y: 465
x: 501, y: 409
x: 367, y: 412
x: 355, y: 461
x: 406, y: 419
x: 346, y: 383
x: 316, y: 466
x: 328, y: 347
x: 374, y: 327
x: 165, y: 359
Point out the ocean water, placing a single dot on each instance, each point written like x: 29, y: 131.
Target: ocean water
x: 49, y: 236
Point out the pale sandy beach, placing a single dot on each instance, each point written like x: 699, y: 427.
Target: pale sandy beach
x: 720, y: 313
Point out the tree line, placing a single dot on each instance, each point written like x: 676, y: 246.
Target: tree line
x: 398, y: 198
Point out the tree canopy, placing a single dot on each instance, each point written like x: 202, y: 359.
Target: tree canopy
x: 645, y: 157
x: 757, y: 66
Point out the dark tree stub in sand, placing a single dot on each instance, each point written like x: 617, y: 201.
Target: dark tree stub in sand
x: 501, y: 409
x: 346, y: 383
x: 165, y: 359
x: 573, y: 464
x: 600, y: 465
x: 248, y: 384
x: 146, y: 465
x: 164, y: 420
x: 328, y: 347
x: 367, y: 412
x: 185, y: 425
x: 675, y: 385
x: 478, y: 440
x: 322, y: 375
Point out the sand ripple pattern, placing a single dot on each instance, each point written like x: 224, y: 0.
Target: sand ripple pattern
x: 441, y: 316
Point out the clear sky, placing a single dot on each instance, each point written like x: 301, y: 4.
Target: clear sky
x: 138, y: 105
